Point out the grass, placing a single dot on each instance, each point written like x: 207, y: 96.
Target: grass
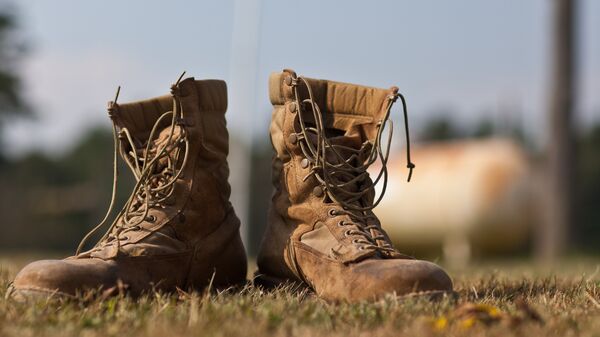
x: 509, y: 299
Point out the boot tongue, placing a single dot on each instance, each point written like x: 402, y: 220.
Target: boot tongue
x: 162, y: 139
x: 350, y: 149
x: 162, y: 170
x: 346, y: 146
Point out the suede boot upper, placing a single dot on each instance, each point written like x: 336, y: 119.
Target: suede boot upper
x: 178, y: 228
x: 322, y: 230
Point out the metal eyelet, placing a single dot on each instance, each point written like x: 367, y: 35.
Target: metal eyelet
x: 318, y: 191
x: 151, y: 218
x: 288, y: 80
x: 332, y: 212
x: 341, y: 223
x: 355, y: 241
x: 292, y: 107
x: 347, y: 233
x: 361, y: 248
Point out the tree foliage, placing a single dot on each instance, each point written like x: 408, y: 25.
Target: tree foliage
x: 12, y: 51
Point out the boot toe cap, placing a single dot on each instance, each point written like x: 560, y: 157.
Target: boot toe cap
x: 424, y: 276
x: 61, y: 278
x: 401, y: 277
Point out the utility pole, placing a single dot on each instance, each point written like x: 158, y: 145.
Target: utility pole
x: 558, y: 201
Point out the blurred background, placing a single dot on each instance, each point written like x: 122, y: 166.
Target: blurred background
x: 503, y: 97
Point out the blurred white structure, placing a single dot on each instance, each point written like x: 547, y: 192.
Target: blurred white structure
x: 242, y: 102
x: 464, y: 196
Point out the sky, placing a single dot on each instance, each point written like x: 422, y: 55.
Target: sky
x: 466, y: 58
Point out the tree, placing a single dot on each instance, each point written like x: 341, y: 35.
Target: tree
x: 440, y: 129
x: 12, y: 50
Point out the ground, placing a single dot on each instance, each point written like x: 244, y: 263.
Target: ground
x: 494, y: 299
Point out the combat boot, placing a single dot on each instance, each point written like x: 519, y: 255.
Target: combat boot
x: 178, y: 228
x: 321, y: 230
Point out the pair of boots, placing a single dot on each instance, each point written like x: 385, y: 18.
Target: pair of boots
x: 179, y: 230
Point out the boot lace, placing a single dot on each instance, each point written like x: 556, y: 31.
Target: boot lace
x: 156, y: 170
x: 345, y: 180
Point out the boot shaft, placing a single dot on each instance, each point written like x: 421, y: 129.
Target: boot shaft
x: 351, y: 109
x: 352, y: 116
x: 202, y: 104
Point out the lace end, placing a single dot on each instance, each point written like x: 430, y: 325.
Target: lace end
x: 112, y: 105
x: 175, y: 91
x: 180, y: 77
x: 410, y: 166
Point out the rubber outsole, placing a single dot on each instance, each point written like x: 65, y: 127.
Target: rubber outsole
x: 271, y: 283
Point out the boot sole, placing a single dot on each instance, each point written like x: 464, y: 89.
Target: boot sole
x: 34, y: 294
x: 267, y: 282
x: 430, y: 295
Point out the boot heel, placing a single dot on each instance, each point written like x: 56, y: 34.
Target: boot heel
x: 221, y: 257
x: 268, y: 282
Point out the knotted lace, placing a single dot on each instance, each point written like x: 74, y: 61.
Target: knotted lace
x: 345, y: 179
x: 155, y: 169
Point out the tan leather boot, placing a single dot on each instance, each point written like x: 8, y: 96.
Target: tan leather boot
x: 322, y: 230
x: 178, y: 229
